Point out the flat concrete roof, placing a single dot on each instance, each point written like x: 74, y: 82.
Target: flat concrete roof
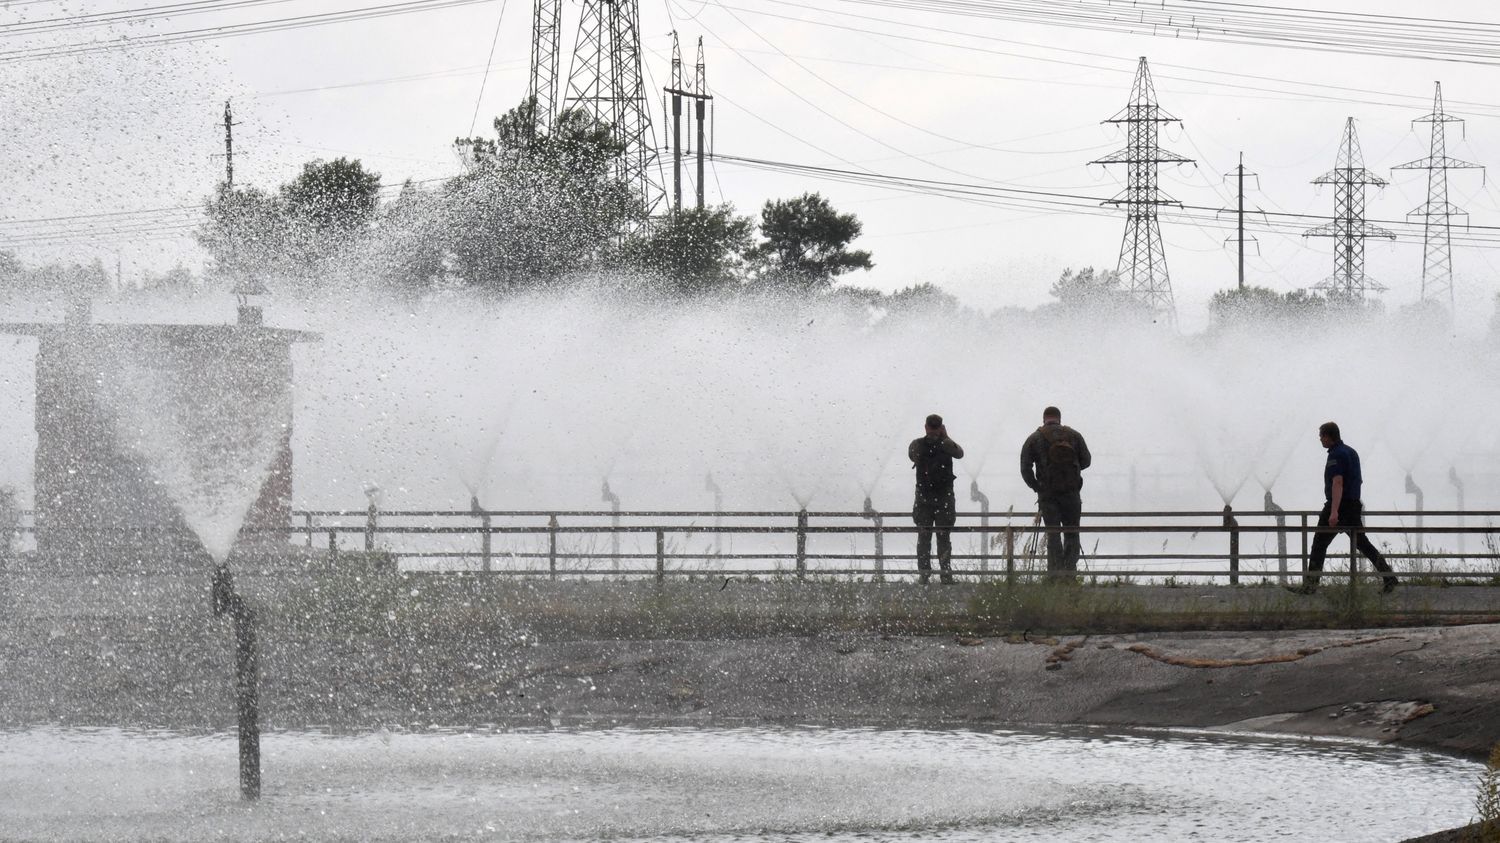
x: 184, y: 330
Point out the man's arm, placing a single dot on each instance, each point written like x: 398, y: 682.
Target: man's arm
x: 1028, y: 474
x: 1085, y: 459
x: 914, y: 451
x: 951, y: 448
x: 1337, y: 498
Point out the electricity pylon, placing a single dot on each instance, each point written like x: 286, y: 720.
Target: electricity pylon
x: 1143, y: 261
x: 1437, y: 246
x: 546, y: 28
x: 1348, y: 227
x: 605, y: 81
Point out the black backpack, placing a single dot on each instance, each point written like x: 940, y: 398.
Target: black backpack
x: 1061, y: 473
x: 934, y: 470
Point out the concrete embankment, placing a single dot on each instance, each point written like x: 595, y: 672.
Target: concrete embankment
x: 1421, y: 668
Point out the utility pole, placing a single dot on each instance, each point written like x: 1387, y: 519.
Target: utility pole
x: 1437, y: 245
x: 1241, y: 215
x: 1239, y: 174
x: 676, y: 91
x: 700, y: 104
x: 229, y: 125
x: 1348, y: 227
x: 699, y: 95
x: 1143, y: 260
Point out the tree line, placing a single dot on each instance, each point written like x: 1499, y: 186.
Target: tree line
x: 543, y: 210
x: 532, y: 210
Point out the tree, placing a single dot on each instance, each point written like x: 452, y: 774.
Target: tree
x: 409, y: 255
x: 296, y: 233
x: 70, y: 282
x: 535, y: 207
x: 805, y: 245
x: 332, y: 199
x: 1094, y: 291
x: 1254, y: 305
x: 693, y: 251
x: 177, y: 281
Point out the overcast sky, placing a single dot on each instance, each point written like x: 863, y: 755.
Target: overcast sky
x: 945, y: 92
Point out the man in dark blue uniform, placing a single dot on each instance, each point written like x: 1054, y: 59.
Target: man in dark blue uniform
x: 935, y: 508
x: 1342, y: 509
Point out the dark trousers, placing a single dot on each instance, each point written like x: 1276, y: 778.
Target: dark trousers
x: 1063, y: 546
x: 935, y: 516
x: 1349, y: 518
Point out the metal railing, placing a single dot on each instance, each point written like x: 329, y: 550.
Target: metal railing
x: 1457, y: 546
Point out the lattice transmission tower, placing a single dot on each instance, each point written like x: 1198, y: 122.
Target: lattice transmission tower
x: 606, y: 82
x: 1437, y: 211
x: 1143, y: 261
x: 546, y: 30
x: 1348, y: 227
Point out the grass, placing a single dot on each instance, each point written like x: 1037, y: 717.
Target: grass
x: 1487, y: 802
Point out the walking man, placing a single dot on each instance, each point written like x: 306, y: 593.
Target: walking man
x: 1052, y: 462
x: 935, y: 508
x: 1342, y: 510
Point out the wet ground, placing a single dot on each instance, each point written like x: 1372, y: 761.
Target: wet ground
x: 752, y: 785
x: 414, y: 656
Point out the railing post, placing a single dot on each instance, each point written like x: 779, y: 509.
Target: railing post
x: 1458, y: 489
x: 1233, y: 527
x: 1416, y: 492
x: 874, y: 516
x: 1354, y: 554
x: 1273, y: 508
x: 1304, y: 545
x: 484, y: 538
x: 372, y: 523
x: 307, y: 520
x: 984, y: 523
x: 661, y: 555
x: 552, y: 526
x: 485, y: 552
x: 333, y: 545
x: 802, y: 543
x: 613, y: 500
x: 1010, y: 554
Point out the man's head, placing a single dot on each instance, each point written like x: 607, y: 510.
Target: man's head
x: 1328, y: 434
x: 1051, y: 414
x: 934, y: 423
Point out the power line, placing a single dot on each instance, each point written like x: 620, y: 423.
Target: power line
x: 1281, y: 222
x: 1319, y: 92
x: 486, y: 78
x: 234, y: 30
x: 1470, y: 42
x: 93, y: 19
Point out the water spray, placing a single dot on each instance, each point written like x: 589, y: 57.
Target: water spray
x: 984, y: 522
x: 1416, y: 491
x: 609, y: 497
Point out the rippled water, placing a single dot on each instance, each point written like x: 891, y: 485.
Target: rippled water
x: 725, y: 785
